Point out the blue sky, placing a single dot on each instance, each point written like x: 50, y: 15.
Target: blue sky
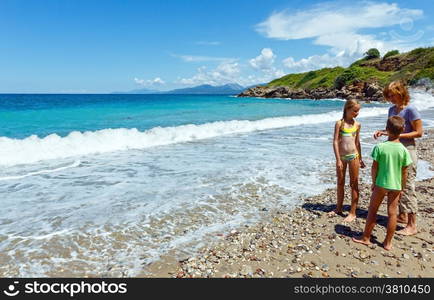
x: 103, y: 46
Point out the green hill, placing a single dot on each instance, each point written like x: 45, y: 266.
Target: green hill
x: 364, y: 79
x: 409, y: 67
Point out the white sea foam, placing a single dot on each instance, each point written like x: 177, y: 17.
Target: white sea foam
x: 422, y: 100
x: 424, y: 170
x: 73, y: 165
x: 40, y: 237
x: 33, y: 149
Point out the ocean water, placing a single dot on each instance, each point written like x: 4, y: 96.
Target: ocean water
x: 101, y: 185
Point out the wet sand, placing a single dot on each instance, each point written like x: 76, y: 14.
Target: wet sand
x: 306, y: 242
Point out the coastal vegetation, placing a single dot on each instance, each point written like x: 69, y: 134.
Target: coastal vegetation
x: 391, y: 53
x: 409, y: 67
x: 372, y: 53
x: 372, y: 72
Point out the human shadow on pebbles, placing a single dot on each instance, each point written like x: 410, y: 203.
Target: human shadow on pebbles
x: 312, y: 207
x: 342, y: 229
x: 347, y: 231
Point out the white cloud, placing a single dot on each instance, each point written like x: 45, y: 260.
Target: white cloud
x: 338, y: 26
x: 199, y: 58
x: 230, y: 72
x: 150, y: 82
x: 228, y: 69
x: 329, y: 18
x: 313, y: 62
x: 225, y: 72
x: 260, y: 78
x: 264, y: 61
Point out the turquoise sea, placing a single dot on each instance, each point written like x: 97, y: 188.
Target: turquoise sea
x: 101, y: 185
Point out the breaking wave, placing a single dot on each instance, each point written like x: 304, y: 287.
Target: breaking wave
x: 33, y: 149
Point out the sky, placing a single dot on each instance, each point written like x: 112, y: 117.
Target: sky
x: 90, y: 46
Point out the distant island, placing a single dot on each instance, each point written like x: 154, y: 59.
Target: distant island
x: 227, y: 89
x: 363, y: 80
x: 139, y: 92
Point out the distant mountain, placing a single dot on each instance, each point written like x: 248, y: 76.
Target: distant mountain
x: 139, y: 91
x: 227, y: 89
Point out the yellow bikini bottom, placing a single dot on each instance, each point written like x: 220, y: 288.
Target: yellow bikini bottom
x: 349, y: 157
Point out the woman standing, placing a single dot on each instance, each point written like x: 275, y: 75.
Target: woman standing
x: 396, y: 93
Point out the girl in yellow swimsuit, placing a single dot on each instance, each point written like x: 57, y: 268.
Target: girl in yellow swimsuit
x: 346, y: 145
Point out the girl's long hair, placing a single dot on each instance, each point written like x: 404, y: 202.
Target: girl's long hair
x: 397, y: 88
x: 348, y: 104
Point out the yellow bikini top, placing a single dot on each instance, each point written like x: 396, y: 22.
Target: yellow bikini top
x: 348, y: 131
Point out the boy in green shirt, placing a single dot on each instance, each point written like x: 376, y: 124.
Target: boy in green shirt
x: 389, y: 175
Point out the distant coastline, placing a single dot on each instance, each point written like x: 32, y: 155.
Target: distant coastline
x: 205, y: 89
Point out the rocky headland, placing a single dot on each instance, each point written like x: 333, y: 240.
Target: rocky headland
x: 363, y: 80
x: 363, y: 91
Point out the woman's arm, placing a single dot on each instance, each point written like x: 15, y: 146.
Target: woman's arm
x: 416, y: 133
x: 379, y: 133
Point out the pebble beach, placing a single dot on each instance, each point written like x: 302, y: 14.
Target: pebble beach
x: 306, y: 242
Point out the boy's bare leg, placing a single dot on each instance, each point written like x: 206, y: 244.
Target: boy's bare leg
x: 353, y: 166
x: 402, y: 218
x: 377, y: 197
x: 340, y: 190
x: 411, y: 228
x: 392, y: 207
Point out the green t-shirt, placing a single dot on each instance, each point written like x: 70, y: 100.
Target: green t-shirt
x: 391, y: 158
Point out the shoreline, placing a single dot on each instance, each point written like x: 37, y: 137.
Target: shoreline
x: 361, y: 90
x: 285, y: 93
x: 306, y: 242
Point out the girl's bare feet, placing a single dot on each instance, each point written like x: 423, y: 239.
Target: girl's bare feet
x: 334, y: 213
x: 407, y: 231
x: 350, y: 218
x: 387, y: 247
x: 362, y: 240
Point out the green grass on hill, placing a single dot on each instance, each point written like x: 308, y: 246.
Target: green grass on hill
x: 372, y: 74
x: 416, y: 64
x: 421, y: 67
x: 320, y: 78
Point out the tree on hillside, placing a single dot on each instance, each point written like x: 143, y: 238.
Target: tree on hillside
x: 391, y: 53
x: 372, y: 53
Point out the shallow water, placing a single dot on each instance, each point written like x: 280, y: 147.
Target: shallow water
x: 150, y: 176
